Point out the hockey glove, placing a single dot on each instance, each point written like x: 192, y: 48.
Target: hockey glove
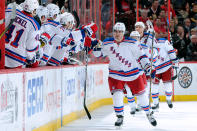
x: 150, y: 72
x: 67, y: 41
x: 90, y: 29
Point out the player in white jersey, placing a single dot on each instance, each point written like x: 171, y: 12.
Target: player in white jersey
x: 70, y: 39
x: 147, y: 51
x: 49, y: 30
x: 66, y: 42
x: 166, y: 61
x: 124, y: 69
x: 22, y: 39
x: 147, y: 40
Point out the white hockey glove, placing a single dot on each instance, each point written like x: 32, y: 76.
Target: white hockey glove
x: 150, y: 27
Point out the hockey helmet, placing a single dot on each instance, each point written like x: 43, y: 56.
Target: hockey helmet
x: 53, y: 10
x: 140, y: 24
x: 42, y: 11
x: 30, y: 5
x: 119, y: 26
x: 66, y: 18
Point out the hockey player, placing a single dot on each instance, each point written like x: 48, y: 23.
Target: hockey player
x: 22, y: 39
x: 147, y: 51
x: 167, y: 60
x: 66, y: 42
x: 70, y: 39
x: 124, y: 69
x: 49, y: 29
x: 42, y: 14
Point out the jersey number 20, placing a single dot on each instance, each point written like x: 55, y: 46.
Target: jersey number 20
x: 19, y: 33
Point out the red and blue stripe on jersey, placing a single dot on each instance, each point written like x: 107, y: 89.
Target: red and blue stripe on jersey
x: 52, y: 22
x: 122, y: 73
x: 29, y: 18
x: 45, y: 57
x: 54, y: 61
x: 163, y: 65
x: 15, y: 56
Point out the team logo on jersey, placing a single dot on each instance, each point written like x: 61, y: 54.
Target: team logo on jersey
x: 185, y: 77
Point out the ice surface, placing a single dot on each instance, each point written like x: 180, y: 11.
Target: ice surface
x: 182, y: 117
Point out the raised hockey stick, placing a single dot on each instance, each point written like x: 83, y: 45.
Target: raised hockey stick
x: 11, y: 21
x: 151, y: 64
x: 85, y: 84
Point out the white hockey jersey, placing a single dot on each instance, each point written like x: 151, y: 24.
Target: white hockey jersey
x: 49, y: 30
x: 22, y: 39
x: 123, y: 58
x: 147, y: 51
x: 148, y: 40
x: 166, y: 56
x: 63, y: 51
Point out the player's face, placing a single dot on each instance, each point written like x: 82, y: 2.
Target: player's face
x: 43, y: 19
x: 118, y: 35
x: 135, y: 37
x: 140, y: 29
x: 68, y: 26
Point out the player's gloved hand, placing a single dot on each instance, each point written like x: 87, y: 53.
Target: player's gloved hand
x: 151, y: 31
x: 29, y: 62
x: 150, y: 72
x: 67, y: 41
x: 90, y: 28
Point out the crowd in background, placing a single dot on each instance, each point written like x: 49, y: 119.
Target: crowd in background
x: 182, y: 25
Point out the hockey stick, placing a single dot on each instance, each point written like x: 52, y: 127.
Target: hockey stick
x: 151, y: 64
x: 75, y: 60
x: 85, y: 84
x: 11, y: 21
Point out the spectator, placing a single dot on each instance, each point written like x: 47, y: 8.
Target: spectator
x: 165, y: 8
x: 154, y: 10
x: 160, y: 29
x: 163, y: 18
x: 66, y: 7
x: 179, y: 43
x: 192, y: 49
x: 193, y: 31
x: 144, y: 16
x: 172, y: 27
x: 187, y: 26
x: 193, y: 15
x: 185, y: 12
x: 124, y: 6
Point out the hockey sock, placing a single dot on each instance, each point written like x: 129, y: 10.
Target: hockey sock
x: 118, y: 102
x: 130, y: 98
x: 155, y: 93
x: 168, y: 90
x: 144, y: 102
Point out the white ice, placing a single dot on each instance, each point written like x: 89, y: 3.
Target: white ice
x: 182, y: 117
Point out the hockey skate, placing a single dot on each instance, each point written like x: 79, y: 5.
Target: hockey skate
x: 151, y: 119
x: 119, y: 121
x: 133, y: 110
x: 155, y: 108
x: 138, y: 109
x: 169, y: 102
